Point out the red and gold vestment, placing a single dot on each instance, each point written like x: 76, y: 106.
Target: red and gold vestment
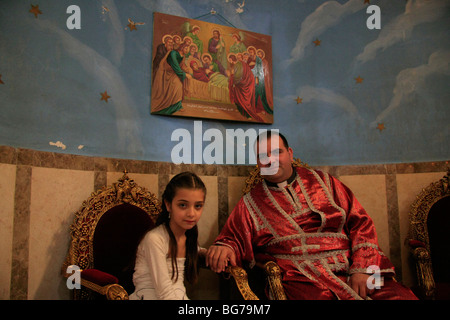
x: 316, y: 231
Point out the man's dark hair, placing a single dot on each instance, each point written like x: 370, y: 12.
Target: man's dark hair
x: 269, y: 133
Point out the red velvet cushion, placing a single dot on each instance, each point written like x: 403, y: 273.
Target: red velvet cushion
x: 98, y: 277
x: 416, y: 243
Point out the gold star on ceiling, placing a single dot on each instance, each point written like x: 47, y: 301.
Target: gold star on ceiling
x: 299, y: 100
x: 35, y: 10
x: 317, y: 42
x: 105, y: 96
x: 132, y: 25
x: 380, y: 127
x: 359, y: 80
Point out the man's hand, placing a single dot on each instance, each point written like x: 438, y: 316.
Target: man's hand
x: 217, y: 258
x: 358, y: 282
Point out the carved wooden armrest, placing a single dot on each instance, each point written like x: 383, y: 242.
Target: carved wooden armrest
x: 103, y: 283
x: 111, y: 291
x: 424, y: 270
x: 241, y: 278
x: 273, y: 273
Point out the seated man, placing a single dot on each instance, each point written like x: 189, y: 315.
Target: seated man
x: 312, y: 226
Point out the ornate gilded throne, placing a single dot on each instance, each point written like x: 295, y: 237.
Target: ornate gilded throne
x: 270, y: 269
x: 105, y: 234
x: 429, y: 237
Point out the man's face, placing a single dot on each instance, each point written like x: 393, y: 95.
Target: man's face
x: 274, y: 159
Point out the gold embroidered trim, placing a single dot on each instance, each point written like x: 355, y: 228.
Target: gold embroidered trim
x: 342, y: 284
x: 330, y: 198
x: 293, y: 199
x: 310, y: 204
x: 364, y: 270
x: 249, y: 207
x: 367, y: 245
x: 316, y: 256
x: 250, y: 203
x: 278, y: 207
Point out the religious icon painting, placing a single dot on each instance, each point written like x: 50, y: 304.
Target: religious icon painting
x: 206, y: 70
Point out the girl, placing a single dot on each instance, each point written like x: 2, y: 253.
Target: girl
x: 169, y: 252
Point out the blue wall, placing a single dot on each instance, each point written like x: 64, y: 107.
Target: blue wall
x: 52, y: 78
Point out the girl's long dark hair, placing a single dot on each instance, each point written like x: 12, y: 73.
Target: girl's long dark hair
x: 186, y: 180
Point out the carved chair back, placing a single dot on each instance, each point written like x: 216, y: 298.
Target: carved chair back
x: 108, y: 227
x: 428, y: 238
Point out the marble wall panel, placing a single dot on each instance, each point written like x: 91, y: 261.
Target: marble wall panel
x: 56, y: 194
x: 7, y: 191
x: 370, y: 190
x: 235, y: 187
x: 208, y: 224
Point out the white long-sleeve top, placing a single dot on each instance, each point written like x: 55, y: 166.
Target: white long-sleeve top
x: 152, y: 276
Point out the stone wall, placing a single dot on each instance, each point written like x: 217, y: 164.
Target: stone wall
x: 41, y: 191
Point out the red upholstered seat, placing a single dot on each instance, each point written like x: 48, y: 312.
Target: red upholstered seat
x: 416, y: 244
x: 99, y: 277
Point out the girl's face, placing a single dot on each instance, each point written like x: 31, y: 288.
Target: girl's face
x: 185, y: 209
